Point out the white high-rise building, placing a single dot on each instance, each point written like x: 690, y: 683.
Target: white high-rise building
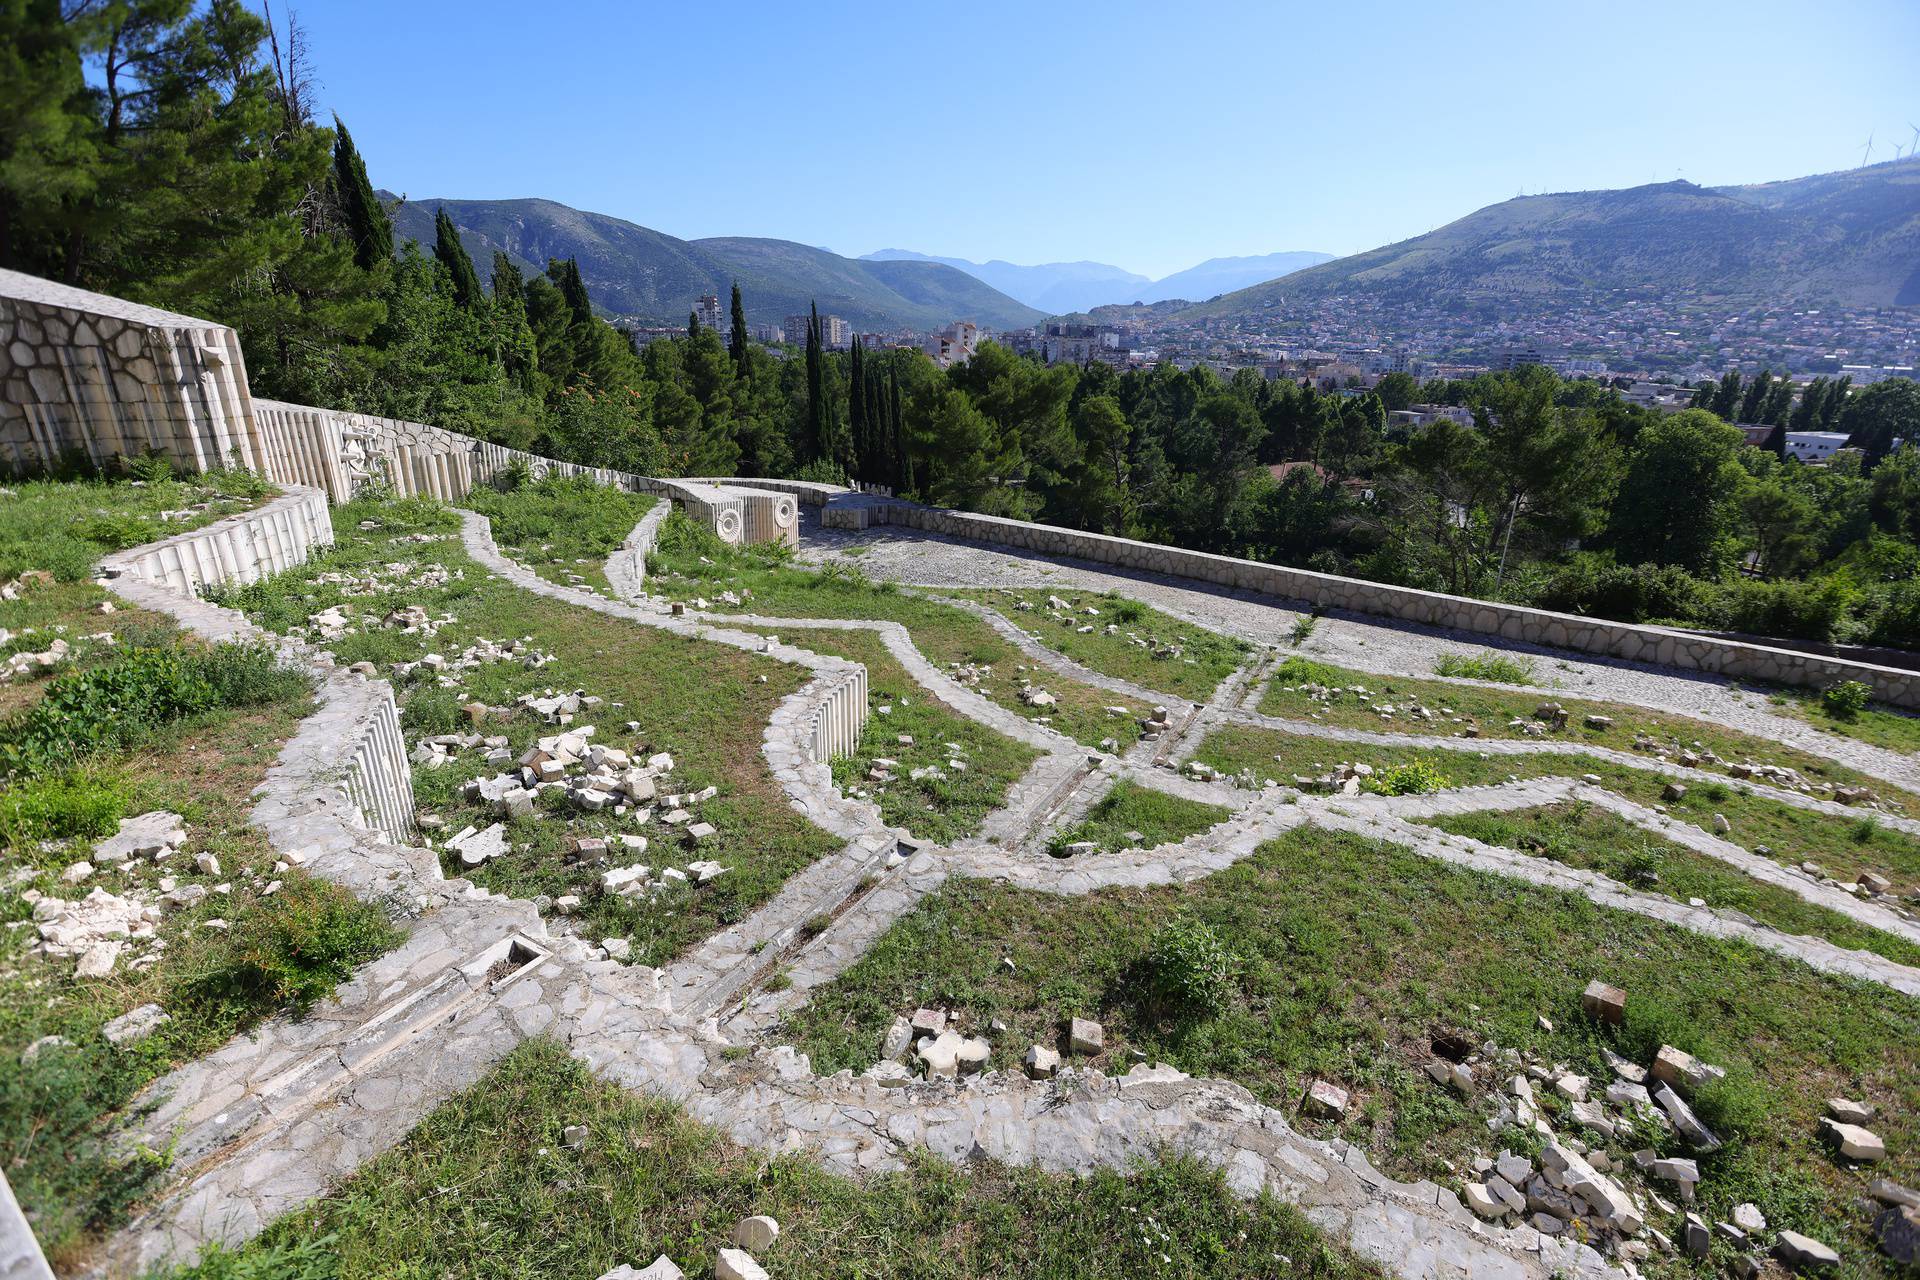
x: 708, y: 311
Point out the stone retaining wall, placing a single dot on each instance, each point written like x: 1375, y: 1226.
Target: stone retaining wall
x: 20, y: 1256
x: 1628, y: 642
x: 236, y: 550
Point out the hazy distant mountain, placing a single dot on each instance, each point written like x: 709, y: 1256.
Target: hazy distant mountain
x: 1062, y: 288
x: 1053, y: 287
x: 1850, y: 238
x: 1224, y: 275
x: 634, y: 271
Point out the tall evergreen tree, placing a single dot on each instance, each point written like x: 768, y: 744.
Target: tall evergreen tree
x: 857, y: 409
x: 816, y: 391
x: 693, y: 325
x: 366, y: 222
x: 737, y: 335
x: 453, y: 255
x: 519, y: 353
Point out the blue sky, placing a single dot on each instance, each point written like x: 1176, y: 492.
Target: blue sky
x: 1151, y: 136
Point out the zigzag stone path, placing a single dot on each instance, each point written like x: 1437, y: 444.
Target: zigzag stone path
x: 271, y: 1119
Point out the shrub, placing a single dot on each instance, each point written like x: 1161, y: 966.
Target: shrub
x: 1413, y: 777
x: 573, y: 517
x: 1303, y: 629
x: 60, y: 806
x: 1189, y: 969
x: 1846, y: 700
x: 122, y: 703
x: 291, y: 952
x: 1485, y: 665
x: 1298, y: 670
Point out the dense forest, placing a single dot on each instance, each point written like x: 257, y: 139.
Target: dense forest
x: 168, y: 152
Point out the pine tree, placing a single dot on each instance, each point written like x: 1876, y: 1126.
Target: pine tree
x: 453, y: 255
x: 367, y: 225
x: 737, y: 337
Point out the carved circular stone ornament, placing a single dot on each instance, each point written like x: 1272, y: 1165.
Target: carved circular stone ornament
x: 783, y: 512
x: 727, y: 524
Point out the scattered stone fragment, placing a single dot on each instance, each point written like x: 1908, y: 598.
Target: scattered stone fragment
x: 755, y: 1234
x: 575, y: 1136
x: 1682, y: 1070
x: 1041, y: 1062
x: 135, y: 1025
x: 1847, y: 1111
x: 1804, y: 1253
x: 951, y: 1054
x: 1854, y: 1142
x: 1897, y: 1228
x: 1603, y: 1002
x: 1325, y: 1100
x: 1086, y: 1037
x: 1748, y: 1218
x: 1685, y: 1122
x: 737, y: 1264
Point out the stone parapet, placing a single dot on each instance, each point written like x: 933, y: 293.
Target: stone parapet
x: 233, y: 551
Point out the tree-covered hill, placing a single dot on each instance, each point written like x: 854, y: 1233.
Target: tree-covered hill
x: 1850, y: 238
x: 638, y: 272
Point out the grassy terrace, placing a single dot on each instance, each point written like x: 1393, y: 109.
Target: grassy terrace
x: 486, y: 1188
x: 64, y: 527
x: 562, y: 528
x: 1158, y: 817
x: 690, y: 563
x: 1843, y: 847
x: 939, y: 808
x: 1142, y: 650
x: 702, y: 703
x: 1878, y: 725
x: 1345, y: 956
x: 1576, y: 834
x: 1493, y: 709
x: 148, y: 722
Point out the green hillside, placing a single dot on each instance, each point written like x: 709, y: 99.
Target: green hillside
x: 1849, y: 238
x: 634, y: 271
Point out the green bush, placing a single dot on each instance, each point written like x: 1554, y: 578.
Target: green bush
x: 122, y: 703
x: 1845, y: 700
x: 1485, y: 665
x: 1297, y: 670
x: 291, y: 952
x: 572, y: 517
x: 1410, y: 778
x: 1190, y: 971
x: 59, y: 806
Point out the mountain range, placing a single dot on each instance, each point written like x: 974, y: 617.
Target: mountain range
x: 1059, y: 288
x: 650, y: 277
x: 1850, y: 239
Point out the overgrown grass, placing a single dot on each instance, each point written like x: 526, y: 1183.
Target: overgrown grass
x: 943, y: 807
x: 1843, y: 847
x: 230, y: 961
x: 1351, y: 954
x: 1878, y: 725
x: 1159, y: 819
x: 64, y: 527
x: 1455, y: 707
x: 559, y: 519
x: 689, y: 563
x: 485, y: 1188
x: 1577, y: 834
x: 702, y: 703
x: 1499, y: 668
x: 1149, y: 648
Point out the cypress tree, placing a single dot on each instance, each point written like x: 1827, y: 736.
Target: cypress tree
x: 566, y: 274
x: 447, y: 247
x: 737, y: 337
x: 693, y: 325
x: 519, y: 351
x: 816, y: 424
x: 367, y: 225
x: 1835, y: 401
x: 857, y: 408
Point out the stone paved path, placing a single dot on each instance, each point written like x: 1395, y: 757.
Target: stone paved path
x: 272, y: 1118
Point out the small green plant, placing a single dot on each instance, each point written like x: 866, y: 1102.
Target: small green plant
x: 816, y: 925
x: 1486, y: 665
x: 1642, y: 865
x: 1189, y: 968
x: 1296, y: 670
x: 1303, y: 629
x: 291, y: 953
x: 1845, y: 700
x: 1409, y: 778
x: 58, y: 806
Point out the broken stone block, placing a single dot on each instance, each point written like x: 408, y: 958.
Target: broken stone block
x: 1086, y: 1037
x: 1326, y: 1100
x: 1874, y: 883
x: 928, y: 1022
x: 700, y: 831
x: 1482, y: 1201
x: 575, y: 1136
x: 1673, y: 792
x: 1041, y: 1062
x: 1847, y: 1111
x: 1604, y: 1003
x: 1695, y: 1240
x: 1854, y: 1142
x: 1682, y: 1070
x: 1685, y: 1122
x: 1748, y: 1218
x: 1804, y: 1253
x: 1897, y: 1228
x: 135, y: 1025
x: 755, y: 1234
x: 898, y: 1040
x: 950, y: 1054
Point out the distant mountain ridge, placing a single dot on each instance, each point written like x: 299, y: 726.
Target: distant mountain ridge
x: 1062, y: 288
x: 637, y: 272
x: 1850, y: 238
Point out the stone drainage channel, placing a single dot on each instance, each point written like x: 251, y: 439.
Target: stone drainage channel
x: 273, y: 1119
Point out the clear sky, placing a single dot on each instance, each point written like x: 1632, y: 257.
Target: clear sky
x: 1150, y: 136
